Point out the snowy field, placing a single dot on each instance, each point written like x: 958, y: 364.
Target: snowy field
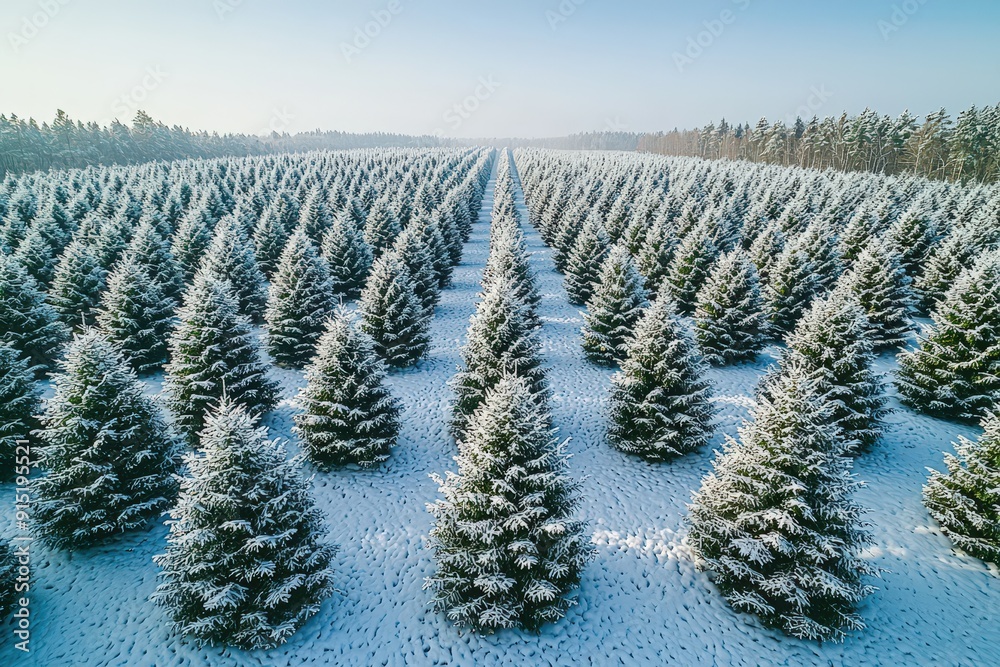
x: 641, y: 602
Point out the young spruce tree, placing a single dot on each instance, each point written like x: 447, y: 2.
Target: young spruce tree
x: 106, y: 456
x: 392, y: 313
x: 299, y: 301
x: 776, y: 523
x: 965, y: 501
x: 348, y: 414
x: 660, y: 405
x: 27, y: 322
x: 955, y: 373
x: 730, y: 320
x: 508, y: 552
x: 501, y: 341
x: 213, y: 354
x: 614, y: 309
x: 245, y: 564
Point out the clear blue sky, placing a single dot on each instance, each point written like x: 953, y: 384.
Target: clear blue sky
x: 552, y: 67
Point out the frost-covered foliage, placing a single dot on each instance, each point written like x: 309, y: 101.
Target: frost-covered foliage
x: 775, y: 521
x: 501, y: 341
x: 106, y: 454
x: 136, y: 315
x: 77, y: 284
x: 508, y: 551
x: 583, y: 263
x: 19, y: 407
x: 348, y: 414
x: 730, y: 318
x: 213, y: 353
x: 392, y: 313
x: 660, y: 403
x: 965, y: 501
x: 832, y: 347
x: 245, y: 564
x: 299, y: 301
x: 614, y: 309
x: 348, y: 255
x: 879, y: 281
x: 231, y: 257
x: 690, y: 267
x: 955, y: 371
x: 27, y: 322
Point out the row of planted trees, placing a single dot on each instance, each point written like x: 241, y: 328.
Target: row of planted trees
x: 774, y: 521
x: 246, y: 562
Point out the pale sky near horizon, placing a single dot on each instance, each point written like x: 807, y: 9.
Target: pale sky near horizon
x: 492, y: 68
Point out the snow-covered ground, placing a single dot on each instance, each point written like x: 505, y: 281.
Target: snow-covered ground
x: 641, y: 602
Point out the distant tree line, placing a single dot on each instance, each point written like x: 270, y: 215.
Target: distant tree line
x: 966, y: 148
x: 26, y: 145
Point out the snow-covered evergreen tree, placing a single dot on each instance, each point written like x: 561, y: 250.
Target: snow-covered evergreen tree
x: 348, y: 414
x: 19, y: 405
x: 27, y: 322
x: 660, y: 405
x: 191, y: 240
x: 508, y: 551
x: 348, y: 256
x: 410, y: 249
x: 392, y: 313
x: 299, y: 301
x: 213, y: 353
x: 965, y: 501
x: 231, y: 257
x: 776, y: 523
x: 152, y: 252
x: 730, y: 320
x: 37, y: 255
x: 77, y: 284
x: 955, y: 373
x: 246, y: 564
x: 270, y: 235
x: 429, y: 230
x: 381, y: 227
x: 502, y: 341
x: 509, y: 261
x: 912, y: 237
x: 948, y: 259
x: 8, y: 576
x: 106, y: 454
x: 614, y: 309
x: 315, y: 216
x: 832, y: 346
x: 689, y: 268
x: 136, y: 316
x: 656, y: 254
x: 882, y: 287
x: 583, y: 263
x: 791, y: 286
